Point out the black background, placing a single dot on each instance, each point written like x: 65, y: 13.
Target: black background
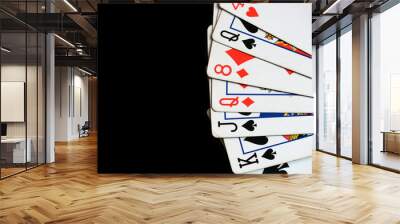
x: 153, y: 90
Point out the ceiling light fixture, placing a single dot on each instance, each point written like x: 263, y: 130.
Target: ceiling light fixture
x: 65, y: 41
x: 5, y: 50
x: 337, y: 7
x: 329, y: 9
x: 84, y: 71
x: 70, y: 5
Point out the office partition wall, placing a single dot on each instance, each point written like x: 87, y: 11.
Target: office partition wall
x: 22, y: 88
x: 13, y: 78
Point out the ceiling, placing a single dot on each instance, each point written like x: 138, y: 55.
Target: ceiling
x: 75, y: 22
x: 329, y: 16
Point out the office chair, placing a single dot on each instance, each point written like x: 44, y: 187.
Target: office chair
x: 84, y: 130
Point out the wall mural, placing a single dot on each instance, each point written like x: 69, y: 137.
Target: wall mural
x: 211, y: 88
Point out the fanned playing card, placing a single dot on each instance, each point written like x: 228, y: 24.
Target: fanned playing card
x: 229, y: 125
x: 287, y: 21
x: 236, y: 33
x: 232, y: 65
x: 234, y: 97
x: 254, y: 153
x: 300, y: 166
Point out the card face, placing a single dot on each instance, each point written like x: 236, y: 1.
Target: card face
x: 254, y: 153
x: 290, y: 22
x: 216, y: 12
x: 233, y: 97
x: 232, y: 65
x: 300, y: 166
x: 229, y: 125
x: 209, y: 32
x: 239, y: 34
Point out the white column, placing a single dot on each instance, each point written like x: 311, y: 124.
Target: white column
x: 360, y: 90
x: 50, y: 92
x: 50, y: 100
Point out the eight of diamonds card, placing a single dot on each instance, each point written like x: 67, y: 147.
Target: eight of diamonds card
x: 232, y: 65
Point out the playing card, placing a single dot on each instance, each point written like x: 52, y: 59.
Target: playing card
x: 209, y: 40
x: 209, y: 116
x: 228, y: 125
x: 209, y: 32
x: 290, y: 22
x: 216, y: 12
x: 300, y: 166
x: 233, y: 97
x: 239, y: 34
x: 232, y: 65
x: 254, y: 153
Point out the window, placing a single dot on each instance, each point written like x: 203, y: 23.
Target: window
x: 327, y: 96
x: 334, y: 106
x: 22, y: 77
x: 346, y: 92
x: 385, y: 89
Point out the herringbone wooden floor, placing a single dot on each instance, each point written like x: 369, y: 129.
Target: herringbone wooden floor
x: 70, y: 191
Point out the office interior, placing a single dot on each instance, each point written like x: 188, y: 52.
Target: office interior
x: 335, y: 74
x: 46, y: 86
x: 60, y: 57
x: 49, y: 81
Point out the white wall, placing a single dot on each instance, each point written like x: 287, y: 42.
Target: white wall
x: 82, y: 82
x: 62, y: 81
x: 15, y: 72
x: 33, y: 126
x: 71, y: 102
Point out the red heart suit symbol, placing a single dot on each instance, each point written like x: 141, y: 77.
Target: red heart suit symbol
x: 252, y: 12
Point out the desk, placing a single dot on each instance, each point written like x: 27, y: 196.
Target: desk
x: 391, y: 141
x: 15, y: 148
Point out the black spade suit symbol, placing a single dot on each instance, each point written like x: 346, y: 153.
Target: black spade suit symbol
x: 269, y: 154
x: 276, y: 169
x: 258, y: 140
x: 245, y: 113
x: 249, y: 43
x: 250, y: 27
x: 250, y: 125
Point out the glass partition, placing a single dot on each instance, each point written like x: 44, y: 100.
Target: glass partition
x: 327, y: 96
x: 346, y: 93
x: 22, y: 77
x: 31, y: 98
x: 385, y: 89
x: 41, y: 97
x: 14, y: 153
